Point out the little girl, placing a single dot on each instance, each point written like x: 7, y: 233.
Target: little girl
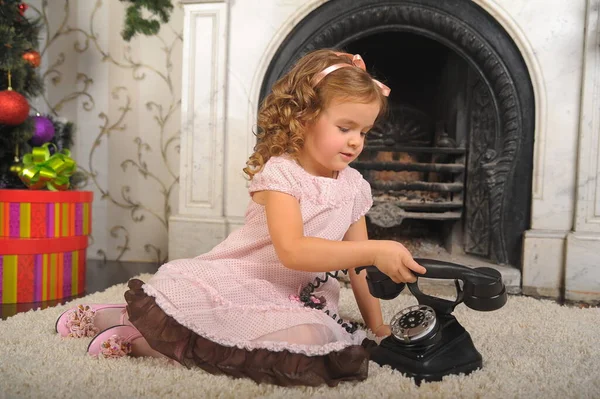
x: 246, y: 308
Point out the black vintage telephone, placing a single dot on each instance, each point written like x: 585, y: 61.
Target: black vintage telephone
x: 427, y: 341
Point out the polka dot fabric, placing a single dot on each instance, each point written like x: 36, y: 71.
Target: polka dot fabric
x: 239, y: 291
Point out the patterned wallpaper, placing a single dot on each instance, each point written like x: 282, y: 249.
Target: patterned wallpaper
x: 124, y: 98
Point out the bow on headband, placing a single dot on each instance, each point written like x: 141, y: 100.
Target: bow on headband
x: 358, y: 62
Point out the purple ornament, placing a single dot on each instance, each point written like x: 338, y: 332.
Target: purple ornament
x: 44, y: 130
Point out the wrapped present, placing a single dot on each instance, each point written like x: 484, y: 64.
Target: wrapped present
x: 43, y: 244
x: 41, y: 214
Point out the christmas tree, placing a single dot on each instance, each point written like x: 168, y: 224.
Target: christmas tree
x: 22, y: 127
x: 135, y: 23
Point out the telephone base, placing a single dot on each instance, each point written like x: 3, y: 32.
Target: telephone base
x: 448, y: 350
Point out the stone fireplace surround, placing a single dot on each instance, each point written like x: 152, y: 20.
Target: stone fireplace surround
x: 229, y: 48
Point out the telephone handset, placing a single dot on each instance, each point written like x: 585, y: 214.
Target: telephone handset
x: 482, y: 287
x: 427, y: 342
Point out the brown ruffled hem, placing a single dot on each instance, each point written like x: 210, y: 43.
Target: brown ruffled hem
x: 167, y: 336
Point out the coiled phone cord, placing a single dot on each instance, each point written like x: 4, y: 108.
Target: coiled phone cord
x: 306, y: 296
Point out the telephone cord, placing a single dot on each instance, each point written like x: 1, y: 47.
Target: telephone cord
x: 308, y: 290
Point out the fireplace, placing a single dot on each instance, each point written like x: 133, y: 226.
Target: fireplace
x: 442, y: 163
x: 490, y: 149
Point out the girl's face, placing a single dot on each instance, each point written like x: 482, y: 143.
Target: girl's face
x: 337, y: 137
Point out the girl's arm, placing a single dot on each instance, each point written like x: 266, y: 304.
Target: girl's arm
x: 298, y: 252
x: 369, y: 306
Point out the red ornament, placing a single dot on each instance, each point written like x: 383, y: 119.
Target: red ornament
x: 22, y: 8
x: 33, y: 58
x: 14, y: 108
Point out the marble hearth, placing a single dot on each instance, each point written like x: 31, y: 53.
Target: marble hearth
x: 232, y: 48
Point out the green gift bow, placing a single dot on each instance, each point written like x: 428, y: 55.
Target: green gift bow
x: 40, y: 169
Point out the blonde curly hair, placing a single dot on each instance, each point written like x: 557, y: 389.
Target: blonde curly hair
x: 294, y: 104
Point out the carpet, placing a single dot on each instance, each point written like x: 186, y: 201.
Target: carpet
x: 531, y: 349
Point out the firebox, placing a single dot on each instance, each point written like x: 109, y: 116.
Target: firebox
x: 415, y: 158
x: 449, y: 165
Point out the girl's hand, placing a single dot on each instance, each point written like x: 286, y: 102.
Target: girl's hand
x: 393, y: 259
x: 383, y: 331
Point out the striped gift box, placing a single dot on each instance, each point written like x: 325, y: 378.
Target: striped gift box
x: 39, y: 214
x: 43, y: 243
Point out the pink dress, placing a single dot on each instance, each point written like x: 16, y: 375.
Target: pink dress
x: 238, y: 294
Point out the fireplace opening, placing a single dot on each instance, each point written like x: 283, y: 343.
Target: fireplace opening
x: 450, y: 167
x: 415, y: 158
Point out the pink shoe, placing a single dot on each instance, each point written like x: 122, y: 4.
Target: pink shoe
x: 78, y: 322
x: 114, y: 342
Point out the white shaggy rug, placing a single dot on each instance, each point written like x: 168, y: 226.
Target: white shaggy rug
x: 530, y: 349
